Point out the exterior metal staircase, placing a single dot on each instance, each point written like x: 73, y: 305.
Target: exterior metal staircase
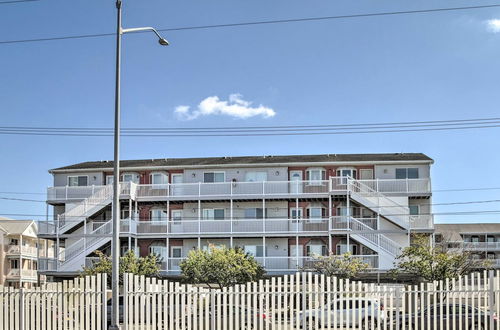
x: 379, y: 203
x: 74, y: 255
x: 84, y: 209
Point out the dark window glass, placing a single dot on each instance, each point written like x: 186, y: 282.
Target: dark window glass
x: 208, y: 177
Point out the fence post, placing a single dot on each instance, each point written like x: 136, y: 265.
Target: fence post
x: 399, y: 301
x: 213, y: 310
x: 21, y: 309
x: 125, y: 301
x: 104, y: 293
x: 492, y: 302
x: 304, y: 303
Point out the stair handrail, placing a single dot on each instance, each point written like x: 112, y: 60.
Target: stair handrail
x: 404, y: 214
x: 81, y: 244
x: 381, y: 240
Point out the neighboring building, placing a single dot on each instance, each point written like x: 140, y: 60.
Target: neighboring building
x: 482, y: 240
x: 282, y: 209
x: 18, y: 253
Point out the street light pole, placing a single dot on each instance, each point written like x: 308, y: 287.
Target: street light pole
x: 115, y: 240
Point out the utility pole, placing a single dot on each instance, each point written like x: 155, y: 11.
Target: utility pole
x: 115, y: 241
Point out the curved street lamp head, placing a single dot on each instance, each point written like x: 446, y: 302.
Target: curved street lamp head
x: 161, y: 40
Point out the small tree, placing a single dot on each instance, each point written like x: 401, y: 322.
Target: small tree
x: 433, y: 263
x: 129, y: 263
x: 344, y: 266
x: 221, y: 266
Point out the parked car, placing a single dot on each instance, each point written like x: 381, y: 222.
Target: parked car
x: 346, y: 312
x: 452, y: 314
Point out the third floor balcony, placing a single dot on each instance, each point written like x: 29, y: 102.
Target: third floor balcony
x: 238, y: 190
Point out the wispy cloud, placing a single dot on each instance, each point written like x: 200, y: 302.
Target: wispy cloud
x: 234, y: 107
x: 493, y: 25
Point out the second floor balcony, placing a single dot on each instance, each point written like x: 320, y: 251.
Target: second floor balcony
x: 17, y: 273
x: 22, y: 250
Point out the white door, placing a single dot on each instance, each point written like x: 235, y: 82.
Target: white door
x: 296, y: 256
x: 296, y: 182
x: 175, y: 257
x: 176, y: 222
x: 177, y: 184
x: 296, y: 216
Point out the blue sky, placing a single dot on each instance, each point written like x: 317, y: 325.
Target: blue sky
x: 380, y: 69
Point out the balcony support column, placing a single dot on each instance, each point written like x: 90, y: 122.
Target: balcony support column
x: 231, y: 217
x: 264, y: 225
x: 167, y: 243
x: 348, y: 212
x: 299, y: 219
x: 329, y: 223
x: 199, y: 219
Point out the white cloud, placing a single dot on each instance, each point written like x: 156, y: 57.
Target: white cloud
x: 235, y: 107
x: 493, y: 25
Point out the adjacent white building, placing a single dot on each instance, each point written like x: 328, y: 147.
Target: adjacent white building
x: 285, y: 210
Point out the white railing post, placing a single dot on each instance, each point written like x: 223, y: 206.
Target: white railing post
x: 199, y: 189
x: 376, y: 185
x: 407, y: 185
x: 66, y: 192
x: 21, y: 307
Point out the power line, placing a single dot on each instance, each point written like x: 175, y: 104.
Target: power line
x: 22, y: 193
x: 16, y: 1
x: 244, y: 133
x: 22, y: 200
x: 281, y: 127
x: 466, y: 189
x: 240, y: 24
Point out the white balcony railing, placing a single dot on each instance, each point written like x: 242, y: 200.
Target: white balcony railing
x: 241, y: 189
x: 22, y: 250
x: 276, y: 263
x: 481, y: 245
x: 21, y: 273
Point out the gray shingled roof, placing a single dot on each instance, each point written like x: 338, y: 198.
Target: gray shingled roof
x: 251, y: 160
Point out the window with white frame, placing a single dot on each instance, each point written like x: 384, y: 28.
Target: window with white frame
x: 254, y: 213
x: 177, y: 216
x: 414, y: 209
x: 176, y: 251
x: 296, y: 213
x: 14, y: 241
x: 347, y: 172
x: 130, y: 177
x: 213, y: 214
x: 342, y: 248
x: 159, y: 249
x: 315, y: 213
x: 407, y: 173
x: 316, y: 175
x: 254, y: 250
x: 255, y: 176
x: 110, y: 179
x: 78, y: 180
x: 158, y: 178
x: 316, y: 250
x: 209, y: 177
x: 158, y: 215
x: 14, y: 264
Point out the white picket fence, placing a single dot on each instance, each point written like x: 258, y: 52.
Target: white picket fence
x: 74, y: 304
x: 299, y: 301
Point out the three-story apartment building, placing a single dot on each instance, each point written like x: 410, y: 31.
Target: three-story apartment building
x: 18, y: 253
x: 284, y: 210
